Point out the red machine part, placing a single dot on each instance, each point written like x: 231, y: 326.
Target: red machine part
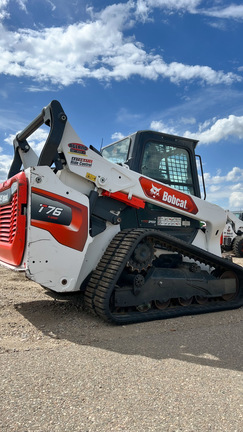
x: 72, y: 234
x: 13, y: 200
x: 120, y: 196
x: 167, y: 195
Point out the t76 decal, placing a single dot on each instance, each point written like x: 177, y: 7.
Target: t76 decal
x: 167, y: 195
x: 46, y: 209
x: 66, y: 220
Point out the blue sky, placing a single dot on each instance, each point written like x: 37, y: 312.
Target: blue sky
x: 170, y: 65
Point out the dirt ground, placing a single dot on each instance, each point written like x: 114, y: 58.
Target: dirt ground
x: 64, y: 370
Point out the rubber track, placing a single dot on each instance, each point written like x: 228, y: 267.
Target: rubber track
x: 110, y: 267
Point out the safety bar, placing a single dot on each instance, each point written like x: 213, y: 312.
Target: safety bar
x: 53, y: 115
x: 32, y: 127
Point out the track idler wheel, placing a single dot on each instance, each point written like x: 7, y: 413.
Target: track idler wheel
x: 185, y: 302
x: 162, y: 305
x: 144, y: 307
x: 201, y: 300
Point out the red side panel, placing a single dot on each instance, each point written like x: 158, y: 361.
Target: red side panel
x: 120, y: 196
x: 13, y: 200
x: 167, y: 195
x: 66, y: 220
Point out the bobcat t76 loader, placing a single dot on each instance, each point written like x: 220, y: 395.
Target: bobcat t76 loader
x: 123, y: 225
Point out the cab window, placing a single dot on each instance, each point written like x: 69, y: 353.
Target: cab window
x: 168, y: 164
x: 117, y: 152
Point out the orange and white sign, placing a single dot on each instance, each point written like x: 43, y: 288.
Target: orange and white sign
x: 167, y: 195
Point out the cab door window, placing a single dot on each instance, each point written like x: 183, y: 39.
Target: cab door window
x: 168, y: 164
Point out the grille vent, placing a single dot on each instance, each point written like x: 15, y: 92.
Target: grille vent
x: 8, y: 220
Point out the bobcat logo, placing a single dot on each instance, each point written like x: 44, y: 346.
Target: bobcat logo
x: 155, y: 191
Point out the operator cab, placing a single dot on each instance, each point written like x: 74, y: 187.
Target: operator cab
x: 167, y: 159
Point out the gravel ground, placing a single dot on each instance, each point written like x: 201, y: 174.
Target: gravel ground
x: 65, y: 370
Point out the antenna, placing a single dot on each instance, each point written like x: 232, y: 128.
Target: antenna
x: 101, y: 144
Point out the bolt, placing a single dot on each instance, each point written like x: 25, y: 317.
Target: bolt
x: 38, y: 179
x: 102, y: 180
x: 64, y: 281
x: 63, y: 117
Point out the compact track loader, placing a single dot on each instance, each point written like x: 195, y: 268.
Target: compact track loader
x: 123, y: 225
x: 230, y: 240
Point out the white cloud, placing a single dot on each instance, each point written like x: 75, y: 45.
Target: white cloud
x: 236, y: 200
x: 235, y: 175
x: 117, y: 136
x: 36, y: 140
x: 3, y: 11
x: 144, y: 7
x: 162, y: 127
x: 10, y: 120
x: 224, y: 188
x: 188, y: 120
x: 210, y: 131
x: 232, y: 11
x: 5, y: 162
x: 64, y: 55
x: 53, y: 6
x: 189, y: 5
x: 221, y: 129
x: 40, y: 88
x: 22, y: 4
x: 178, y: 72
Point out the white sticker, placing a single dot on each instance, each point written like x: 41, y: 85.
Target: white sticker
x: 186, y: 223
x: 168, y: 221
x: 81, y: 161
